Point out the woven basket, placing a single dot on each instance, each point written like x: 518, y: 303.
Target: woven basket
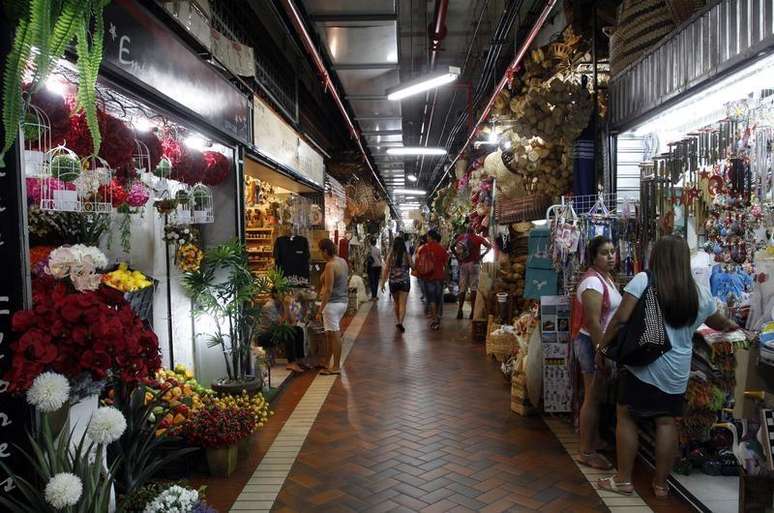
x: 641, y: 25
x: 501, y: 345
x: 682, y: 10
x: 517, y: 210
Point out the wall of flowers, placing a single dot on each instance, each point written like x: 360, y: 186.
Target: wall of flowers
x: 113, y: 419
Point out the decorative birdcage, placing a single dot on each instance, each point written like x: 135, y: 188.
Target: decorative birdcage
x: 201, y: 204
x: 58, y: 174
x: 93, y: 186
x: 141, y: 157
x: 36, y: 129
x: 182, y: 214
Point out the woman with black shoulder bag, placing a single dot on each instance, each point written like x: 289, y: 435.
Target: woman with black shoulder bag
x: 660, y: 312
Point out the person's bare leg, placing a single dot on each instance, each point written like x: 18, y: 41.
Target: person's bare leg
x: 461, y: 303
x: 588, y: 415
x: 335, y: 341
x: 472, y: 302
x: 396, y: 299
x: 324, y: 357
x: 402, y: 299
x: 627, y: 443
x: 666, y: 449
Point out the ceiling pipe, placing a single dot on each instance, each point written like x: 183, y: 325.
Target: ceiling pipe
x: 437, y: 35
x: 298, y: 23
x: 509, y: 72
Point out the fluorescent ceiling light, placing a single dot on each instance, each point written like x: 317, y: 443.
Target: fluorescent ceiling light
x: 416, y: 150
x: 55, y: 85
x: 410, y: 192
x: 142, y: 125
x: 423, y: 84
x: 196, y: 142
x: 412, y: 178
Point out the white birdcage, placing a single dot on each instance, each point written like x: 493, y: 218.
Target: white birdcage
x: 141, y: 157
x: 183, y: 207
x: 202, y: 209
x: 58, y: 174
x: 94, y: 186
x: 36, y: 130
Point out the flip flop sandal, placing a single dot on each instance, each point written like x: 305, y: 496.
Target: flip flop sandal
x: 609, y: 484
x: 595, y: 461
x: 660, y: 491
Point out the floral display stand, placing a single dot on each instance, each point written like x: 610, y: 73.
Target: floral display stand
x: 222, y: 462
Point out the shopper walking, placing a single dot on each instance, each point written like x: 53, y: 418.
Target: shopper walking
x: 597, y: 298
x: 657, y: 391
x: 397, y: 271
x: 374, y: 268
x: 431, y: 262
x: 420, y: 280
x: 467, y: 249
x: 334, y: 299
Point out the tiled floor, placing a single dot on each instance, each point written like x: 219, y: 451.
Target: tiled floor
x: 419, y: 422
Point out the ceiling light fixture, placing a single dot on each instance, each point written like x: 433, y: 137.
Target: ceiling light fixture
x: 423, y: 84
x: 416, y: 150
x: 410, y: 192
x: 196, y: 142
x: 56, y: 86
x: 412, y: 178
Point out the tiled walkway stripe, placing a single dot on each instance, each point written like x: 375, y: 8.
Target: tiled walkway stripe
x: 617, y: 503
x: 259, y: 494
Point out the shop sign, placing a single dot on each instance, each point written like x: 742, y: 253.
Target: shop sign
x: 13, y: 410
x: 277, y: 140
x: 555, y: 331
x: 140, y: 45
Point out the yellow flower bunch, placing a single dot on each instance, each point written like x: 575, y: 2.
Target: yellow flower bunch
x: 125, y: 280
x: 256, y: 404
x: 189, y: 258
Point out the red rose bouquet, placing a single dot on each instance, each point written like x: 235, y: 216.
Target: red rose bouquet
x: 117, y: 147
x: 217, y: 168
x: 93, y: 333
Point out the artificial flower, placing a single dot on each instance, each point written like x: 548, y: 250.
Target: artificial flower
x: 117, y: 146
x: 49, y: 392
x: 64, y: 490
x: 125, y: 280
x: 106, y: 426
x: 217, y: 168
x: 175, y: 499
x: 189, y: 258
x: 138, y: 195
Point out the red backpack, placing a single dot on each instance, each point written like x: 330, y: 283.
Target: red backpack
x: 424, y: 265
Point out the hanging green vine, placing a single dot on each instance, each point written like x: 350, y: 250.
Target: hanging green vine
x: 50, y: 26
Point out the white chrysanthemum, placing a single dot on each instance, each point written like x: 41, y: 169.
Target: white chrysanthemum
x: 92, y: 253
x: 49, y: 392
x: 107, y: 425
x: 173, y: 499
x: 64, y: 490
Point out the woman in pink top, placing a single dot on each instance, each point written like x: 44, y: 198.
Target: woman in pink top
x: 599, y: 297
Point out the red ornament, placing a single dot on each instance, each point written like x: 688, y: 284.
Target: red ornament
x: 117, y: 147
x: 217, y: 168
x: 191, y: 168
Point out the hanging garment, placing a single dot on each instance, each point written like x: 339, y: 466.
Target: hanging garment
x: 291, y: 254
x: 584, y: 172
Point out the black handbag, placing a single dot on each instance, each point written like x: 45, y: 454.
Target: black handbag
x: 643, y: 339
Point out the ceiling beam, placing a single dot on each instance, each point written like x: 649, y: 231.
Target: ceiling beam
x: 365, y: 16
x: 382, y: 132
x: 387, y: 66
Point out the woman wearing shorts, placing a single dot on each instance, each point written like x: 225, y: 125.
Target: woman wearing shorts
x: 398, y: 272
x: 598, y: 299
x: 657, y: 391
x: 334, y: 299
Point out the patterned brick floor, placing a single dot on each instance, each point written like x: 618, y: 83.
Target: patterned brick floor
x: 421, y: 423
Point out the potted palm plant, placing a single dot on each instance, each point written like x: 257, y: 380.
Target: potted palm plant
x: 225, y: 290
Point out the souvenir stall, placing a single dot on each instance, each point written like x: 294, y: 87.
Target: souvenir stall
x: 703, y: 171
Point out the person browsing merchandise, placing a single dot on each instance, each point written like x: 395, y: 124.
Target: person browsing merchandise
x: 334, y: 298
x: 656, y: 391
x: 597, y: 298
x: 467, y: 249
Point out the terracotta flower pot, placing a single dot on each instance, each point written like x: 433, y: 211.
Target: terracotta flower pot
x: 222, y: 462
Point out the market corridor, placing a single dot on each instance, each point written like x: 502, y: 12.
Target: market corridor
x: 421, y: 422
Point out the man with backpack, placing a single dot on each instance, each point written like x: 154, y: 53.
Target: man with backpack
x: 430, y: 265
x: 467, y: 249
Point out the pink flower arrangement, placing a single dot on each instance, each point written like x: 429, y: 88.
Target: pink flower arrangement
x: 138, y: 195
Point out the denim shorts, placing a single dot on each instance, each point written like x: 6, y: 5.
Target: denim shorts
x: 434, y: 292
x: 584, y: 353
